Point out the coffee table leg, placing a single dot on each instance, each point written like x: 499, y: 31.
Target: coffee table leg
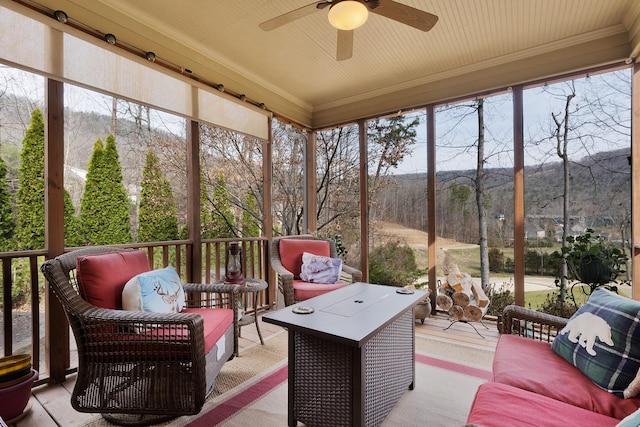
x: 292, y: 379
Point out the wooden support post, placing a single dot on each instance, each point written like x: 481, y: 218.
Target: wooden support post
x: 635, y: 181
x: 194, y: 255
x: 57, y: 344
x: 518, y: 194
x: 364, y: 200
x: 431, y: 203
x: 267, y: 212
x: 311, y: 198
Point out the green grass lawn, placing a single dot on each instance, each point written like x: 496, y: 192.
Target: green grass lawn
x: 468, y: 260
x: 534, y: 299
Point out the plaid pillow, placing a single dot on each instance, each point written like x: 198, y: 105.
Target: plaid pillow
x: 602, y: 339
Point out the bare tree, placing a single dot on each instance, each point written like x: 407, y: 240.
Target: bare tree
x: 561, y: 135
x: 480, y: 199
x: 589, y: 132
x: 288, y: 154
x: 239, y: 158
x: 337, y: 171
x: 464, y: 139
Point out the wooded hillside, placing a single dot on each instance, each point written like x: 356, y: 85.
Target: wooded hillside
x: 600, y: 194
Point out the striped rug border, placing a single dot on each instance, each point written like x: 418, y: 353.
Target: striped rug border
x: 236, y: 403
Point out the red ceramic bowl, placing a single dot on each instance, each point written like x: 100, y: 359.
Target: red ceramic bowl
x: 14, y: 399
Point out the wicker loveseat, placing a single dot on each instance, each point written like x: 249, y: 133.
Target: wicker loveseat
x: 138, y: 367
x: 533, y: 386
x: 286, y: 261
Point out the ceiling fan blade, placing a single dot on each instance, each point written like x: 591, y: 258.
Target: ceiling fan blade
x: 285, y: 18
x: 345, y: 45
x: 404, y: 14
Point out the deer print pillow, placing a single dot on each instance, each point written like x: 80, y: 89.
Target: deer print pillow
x: 158, y: 291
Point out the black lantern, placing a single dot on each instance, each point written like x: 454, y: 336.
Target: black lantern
x: 233, y: 264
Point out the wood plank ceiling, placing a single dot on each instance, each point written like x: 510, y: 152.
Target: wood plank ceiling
x: 475, y: 46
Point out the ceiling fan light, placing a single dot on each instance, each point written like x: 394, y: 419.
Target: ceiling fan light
x: 348, y: 15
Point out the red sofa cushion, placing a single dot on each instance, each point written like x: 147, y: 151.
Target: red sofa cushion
x: 291, y: 252
x: 102, y: 277
x: 499, y: 405
x: 305, y: 290
x: 532, y: 365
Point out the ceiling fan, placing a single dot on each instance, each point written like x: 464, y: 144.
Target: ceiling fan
x: 347, y: 15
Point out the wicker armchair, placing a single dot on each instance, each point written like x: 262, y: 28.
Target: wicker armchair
x: 288, y: 280
x: 133, y: 377
x: 529, y: 323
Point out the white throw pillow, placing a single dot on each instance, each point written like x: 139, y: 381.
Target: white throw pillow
x: 320, y: 269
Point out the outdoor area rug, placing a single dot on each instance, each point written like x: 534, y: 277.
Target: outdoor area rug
x: 252, y: 389
x: 442, y: 396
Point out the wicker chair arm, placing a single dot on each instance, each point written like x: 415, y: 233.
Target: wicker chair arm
x: 356, y: 275
x: 122, y: 319
x: 120, y: 335
x: 277, y: 266
x: 522, y: 321
x: 285, y: 281
x: 223, y: 288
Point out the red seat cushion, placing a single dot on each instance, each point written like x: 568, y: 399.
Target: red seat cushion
x: 216, y: 323
x: 102, y: 277
x: 291, y: 252
x: 157, y: 343
x: 532, y: 365
x: 499, y: 405
x: 305, y: 290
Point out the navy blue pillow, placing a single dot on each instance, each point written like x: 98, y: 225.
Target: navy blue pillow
x: 602, y: 339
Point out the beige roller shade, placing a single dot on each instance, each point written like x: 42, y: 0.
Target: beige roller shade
x: 32, y: 41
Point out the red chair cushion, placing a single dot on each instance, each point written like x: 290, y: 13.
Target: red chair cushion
x: 216, y: 323
x: 291, y: 252
x: 102, y: 277
x: 305, y: 290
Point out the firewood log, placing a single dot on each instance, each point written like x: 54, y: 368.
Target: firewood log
x: 461, y: 299
x: 473, y: 313
x: 479, y: 295
x: 456, y: 312
x: 444, y: 302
